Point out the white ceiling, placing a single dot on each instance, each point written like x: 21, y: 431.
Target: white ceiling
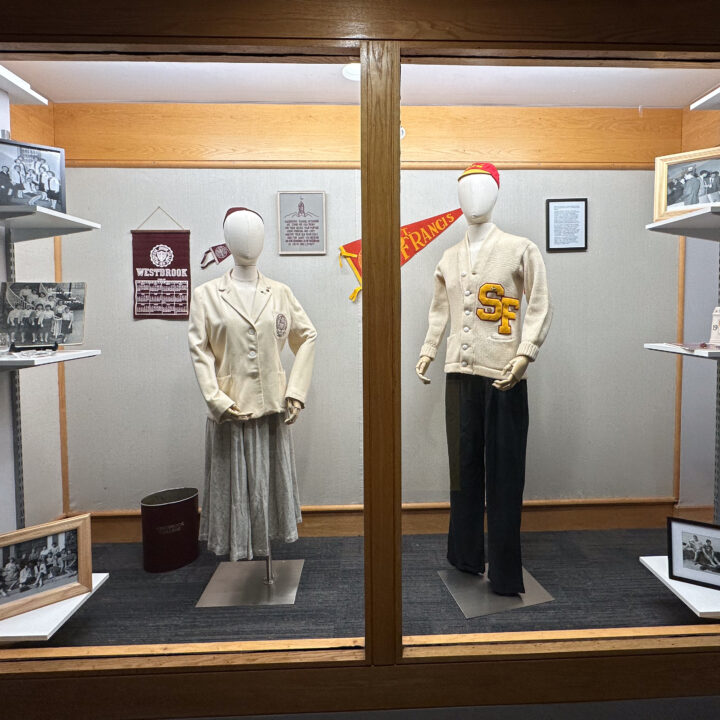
x: 80, y: 81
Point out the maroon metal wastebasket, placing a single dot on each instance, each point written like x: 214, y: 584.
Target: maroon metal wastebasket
x: 170, y: 525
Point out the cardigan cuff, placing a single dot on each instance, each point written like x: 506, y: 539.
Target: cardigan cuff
x: 528, y: 349
x: 428, y: 350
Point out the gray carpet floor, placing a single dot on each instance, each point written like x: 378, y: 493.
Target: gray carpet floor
x: 595, y: 578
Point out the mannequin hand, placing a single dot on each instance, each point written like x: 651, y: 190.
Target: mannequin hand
x: 513, y: 372
x: 421, y: 368
x: 292, y: 410
x: 233, y: 413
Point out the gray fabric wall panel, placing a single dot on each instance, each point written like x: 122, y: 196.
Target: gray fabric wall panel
x: 35, y: 262
x: 136, y: 417
x: 699, y: 376
x: 601, y: 406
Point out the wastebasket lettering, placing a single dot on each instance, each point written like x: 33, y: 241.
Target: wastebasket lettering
x: 170, y: 525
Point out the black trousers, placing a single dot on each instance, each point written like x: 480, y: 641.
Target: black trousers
x: 487, y: 436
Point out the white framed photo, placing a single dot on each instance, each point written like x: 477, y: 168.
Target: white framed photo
x: 301, y: 223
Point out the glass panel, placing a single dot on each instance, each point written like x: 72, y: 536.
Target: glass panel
x: 259, y: 166
x: 589, y: 435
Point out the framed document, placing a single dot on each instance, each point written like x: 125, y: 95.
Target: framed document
x: 566, y: 225
x: 301, y: 223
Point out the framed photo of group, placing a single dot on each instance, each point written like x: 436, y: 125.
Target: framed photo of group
x: 44, y: 564
x: 32, y: 175
x: 686, y: 181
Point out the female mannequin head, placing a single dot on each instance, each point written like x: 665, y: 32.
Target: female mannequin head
x: 478, y: 188
x: 244, y: 234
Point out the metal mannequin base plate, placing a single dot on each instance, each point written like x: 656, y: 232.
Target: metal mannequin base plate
x: 474, y: 597
x: 243, y: 583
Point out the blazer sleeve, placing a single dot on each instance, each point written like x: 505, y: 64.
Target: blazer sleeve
x: 301, y: 339
x: 437, y: 317
x: 538, y: 313
x: 203, y: 359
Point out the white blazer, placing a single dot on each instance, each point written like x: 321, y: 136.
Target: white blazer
x: 236, y: 354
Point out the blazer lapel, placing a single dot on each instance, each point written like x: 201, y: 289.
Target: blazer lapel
x: 229, y: 294
x: 262, y: 296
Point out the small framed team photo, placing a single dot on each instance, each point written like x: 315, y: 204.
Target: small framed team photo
x: 44, y: 564
x: 694, y: 552
x: 32, y: 175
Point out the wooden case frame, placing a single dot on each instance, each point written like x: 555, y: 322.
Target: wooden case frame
x: 380, y: 671
x: 81, y: 524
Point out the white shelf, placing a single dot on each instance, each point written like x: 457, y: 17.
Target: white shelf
x: 32, y: 222
x: 13, y: 362
x: 704, y: 602
x: 19, y: 91
x: 703, y: 223
x: 41, y: 624
x: 679, y: 350
x: 709, y: 101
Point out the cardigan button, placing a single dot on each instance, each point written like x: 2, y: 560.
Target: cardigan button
x: 467, y: 312
x: 467, y: 292
x: 466, y: 329
x: 465, y: 346
x: 464, y: 363
x: 251, y: 331
x: 252, y: 354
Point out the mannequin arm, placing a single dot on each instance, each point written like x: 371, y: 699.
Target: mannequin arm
x: 421, y: 368
x: 513, y: 372
x: 292, y: 410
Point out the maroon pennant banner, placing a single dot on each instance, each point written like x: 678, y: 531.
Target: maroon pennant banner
x: 161, y: 274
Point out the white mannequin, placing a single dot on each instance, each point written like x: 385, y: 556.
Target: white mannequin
x: 244, y: 233
x: 478, y: 194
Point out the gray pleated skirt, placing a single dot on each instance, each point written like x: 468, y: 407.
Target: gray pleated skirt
x: 251, y: 494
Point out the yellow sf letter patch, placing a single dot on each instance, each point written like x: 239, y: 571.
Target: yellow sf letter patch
x: 497, y: 306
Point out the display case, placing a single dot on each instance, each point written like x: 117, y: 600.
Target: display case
x: 423, y: 670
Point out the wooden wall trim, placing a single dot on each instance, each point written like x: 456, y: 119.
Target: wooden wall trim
x: 288, y: 136
x: 432, y: 518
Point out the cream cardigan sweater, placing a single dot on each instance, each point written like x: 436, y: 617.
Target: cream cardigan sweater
x: 482, y: 302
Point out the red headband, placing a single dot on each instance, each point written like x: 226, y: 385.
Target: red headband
x: 482, y: 168
x: 238, y: 209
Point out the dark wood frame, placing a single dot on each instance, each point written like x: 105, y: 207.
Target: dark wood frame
x: 192, y: 681
x: 548, y: 203
x: 671, y: 555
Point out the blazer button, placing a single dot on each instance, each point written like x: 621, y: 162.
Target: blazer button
x: 252, y: 354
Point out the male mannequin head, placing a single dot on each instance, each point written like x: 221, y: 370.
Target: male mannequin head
x: 478, y: 188
x: 244, y: 234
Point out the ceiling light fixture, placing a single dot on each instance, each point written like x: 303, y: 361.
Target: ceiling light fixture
x: 351, y: 71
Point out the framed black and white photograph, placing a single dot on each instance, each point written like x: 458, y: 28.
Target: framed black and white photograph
x: 32, y: 175
x: 43, y: 313
x: 694, y: 552
x: 686, y: 181
x: 566, y: 222
x: 44, y: 564
x: 301, y: 223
